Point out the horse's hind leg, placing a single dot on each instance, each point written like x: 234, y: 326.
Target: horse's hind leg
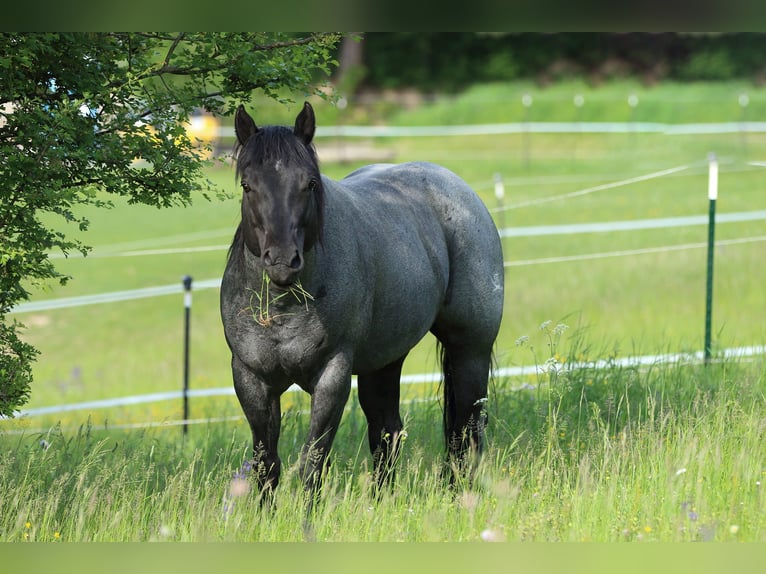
x: 379, y: 398
x: 467, y: 326
x: 466, y: 374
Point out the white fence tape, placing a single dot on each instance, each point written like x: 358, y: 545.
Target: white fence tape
x: 603, y: 187
x: 564, y: 229
x: 631, y: 225
x: 530, y: 127
x: 631, y: 252
x: 503, y: 372
x: 113, y: 297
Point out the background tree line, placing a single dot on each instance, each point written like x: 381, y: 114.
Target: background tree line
x: 438, y: 61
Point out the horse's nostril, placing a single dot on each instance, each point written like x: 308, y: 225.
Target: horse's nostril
x: 267, y: 258
x: 297, y: 262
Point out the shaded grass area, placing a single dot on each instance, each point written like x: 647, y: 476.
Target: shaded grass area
x: 670, y: 453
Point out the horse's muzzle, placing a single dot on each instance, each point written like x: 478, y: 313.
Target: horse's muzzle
x: 281, y: 270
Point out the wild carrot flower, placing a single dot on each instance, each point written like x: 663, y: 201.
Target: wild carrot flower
x: 492, y: 535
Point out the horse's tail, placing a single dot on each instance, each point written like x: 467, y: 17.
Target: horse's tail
x: 448, y: 382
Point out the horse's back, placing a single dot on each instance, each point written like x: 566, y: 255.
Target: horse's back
x: 453, y: 202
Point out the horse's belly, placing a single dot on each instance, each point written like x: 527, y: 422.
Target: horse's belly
x: 396, y: 328
x: 378, y: 354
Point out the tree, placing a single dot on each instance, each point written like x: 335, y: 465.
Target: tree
x: 82, y: 114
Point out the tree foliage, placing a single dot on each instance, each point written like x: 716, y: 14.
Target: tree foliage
x: 441, y: 61
x: 86, y: 113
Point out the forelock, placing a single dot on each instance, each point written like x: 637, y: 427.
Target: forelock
x: 276, y: 146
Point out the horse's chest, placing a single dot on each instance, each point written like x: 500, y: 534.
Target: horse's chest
x: 282, y: 351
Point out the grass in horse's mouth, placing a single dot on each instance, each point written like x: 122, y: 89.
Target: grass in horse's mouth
x: 262, y: 300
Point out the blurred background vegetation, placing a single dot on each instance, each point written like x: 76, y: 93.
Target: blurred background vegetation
x: 439, y: 61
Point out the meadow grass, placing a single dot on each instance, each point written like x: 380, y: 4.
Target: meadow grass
x: 665, y: 102
x: 653, y: 300
x: 665, y: 453
x: 575, y: 453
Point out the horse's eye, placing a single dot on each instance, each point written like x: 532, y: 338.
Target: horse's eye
x: 245, y: 187
x: 312, y: 187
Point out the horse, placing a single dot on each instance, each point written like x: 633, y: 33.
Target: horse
x: 327, y: 279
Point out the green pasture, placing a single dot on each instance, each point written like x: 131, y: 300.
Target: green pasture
x: 667, y: 102
x: 644, y: 303
x: 665, y: 453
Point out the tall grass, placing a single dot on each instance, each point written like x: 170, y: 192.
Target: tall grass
x: 670, y: 453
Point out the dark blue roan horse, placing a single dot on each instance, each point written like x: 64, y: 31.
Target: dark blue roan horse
x: 326, y: 279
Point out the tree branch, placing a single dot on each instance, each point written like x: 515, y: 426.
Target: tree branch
x: 166, y: 68
x: 172, y: 48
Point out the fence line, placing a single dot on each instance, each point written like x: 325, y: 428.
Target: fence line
x: 152, y: 242
x: 503, y: 372
x: 111, y: 297
x: 530, y: 127
x: 143, y: 252
x: 629, y: 252
x: 564, y: 229
x: 589, y: 190
x: 630, y: 224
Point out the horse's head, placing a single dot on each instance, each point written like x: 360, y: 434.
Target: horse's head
x: 281, y: 193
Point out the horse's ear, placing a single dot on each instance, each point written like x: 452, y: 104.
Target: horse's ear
x: 244, y: 126
x: 305, y: 124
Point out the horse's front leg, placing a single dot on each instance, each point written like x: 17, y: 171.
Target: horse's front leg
x: 328, y: 399
x: 260, y: 404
